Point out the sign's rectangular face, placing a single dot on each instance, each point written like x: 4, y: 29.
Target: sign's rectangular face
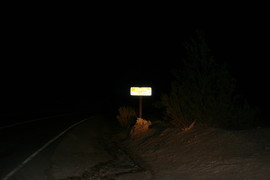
x: 140, y: 91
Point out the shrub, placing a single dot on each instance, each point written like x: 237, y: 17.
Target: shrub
x: 127, y: 116
x: 203, y: 91
x: 140, y: 127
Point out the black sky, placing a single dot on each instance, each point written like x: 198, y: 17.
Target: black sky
x: 71, y: 59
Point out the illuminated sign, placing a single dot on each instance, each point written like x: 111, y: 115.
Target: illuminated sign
x: 140, y: 91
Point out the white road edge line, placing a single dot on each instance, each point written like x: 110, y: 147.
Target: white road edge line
x: 30, y: 121
x: 40, y: 149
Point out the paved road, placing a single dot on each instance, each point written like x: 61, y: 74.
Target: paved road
x: 85, y: 150
x: 18, y: 142
x: 89, y: 151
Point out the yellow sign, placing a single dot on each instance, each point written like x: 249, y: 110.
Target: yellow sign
x: 140, y: 91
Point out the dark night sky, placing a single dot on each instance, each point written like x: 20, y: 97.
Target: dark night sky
x: 64, y: 59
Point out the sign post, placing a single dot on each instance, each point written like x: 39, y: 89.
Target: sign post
x: 140, y: 110
x: 140, y: 91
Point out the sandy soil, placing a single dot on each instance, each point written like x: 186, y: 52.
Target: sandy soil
x: 203, y: 153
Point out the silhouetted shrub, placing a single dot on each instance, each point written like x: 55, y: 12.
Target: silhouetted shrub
x: 203, y: 91
x: 127, y: 116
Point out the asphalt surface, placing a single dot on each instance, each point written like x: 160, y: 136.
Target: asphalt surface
x: 85, y: 149
x: 21, y: 141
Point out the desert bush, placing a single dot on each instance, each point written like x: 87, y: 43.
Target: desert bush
x: 204, y: 91
x: 140, y: 127
x: 127, y: 116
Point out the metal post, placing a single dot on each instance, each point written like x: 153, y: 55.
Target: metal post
x: 140, y: 108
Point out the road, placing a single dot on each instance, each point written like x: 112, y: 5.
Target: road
x: 18, y: 142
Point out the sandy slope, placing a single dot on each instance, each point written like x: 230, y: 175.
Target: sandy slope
x: 203, y: 153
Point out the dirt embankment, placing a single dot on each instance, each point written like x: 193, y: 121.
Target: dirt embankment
x: 203, y: 153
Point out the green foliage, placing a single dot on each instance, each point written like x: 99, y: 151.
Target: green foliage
x: 204, y: 91
x: 127, y: 116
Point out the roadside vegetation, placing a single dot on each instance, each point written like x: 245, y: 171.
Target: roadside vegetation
x: 127, y: 116
x: 203, y: 92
